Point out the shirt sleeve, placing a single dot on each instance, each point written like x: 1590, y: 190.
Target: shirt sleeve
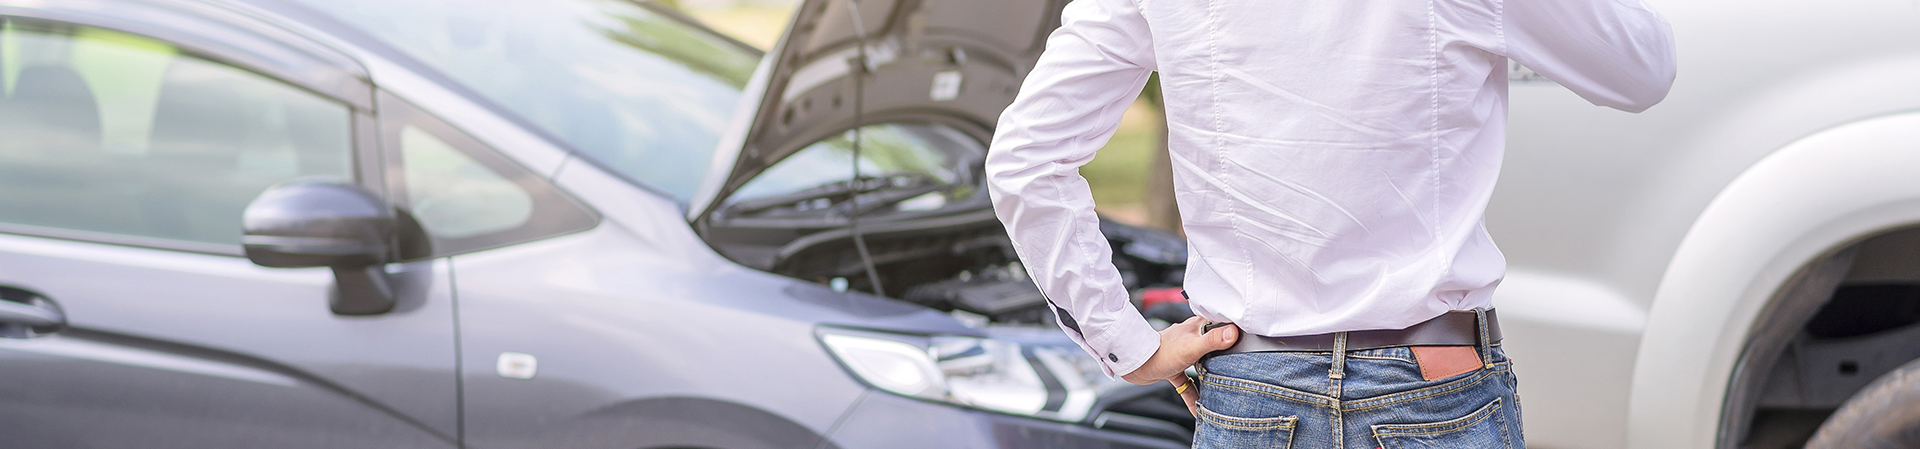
x: 1070, y: 104
x: 1615, y: 53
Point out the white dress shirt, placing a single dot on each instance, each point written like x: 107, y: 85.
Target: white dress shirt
x: 1332, y: 159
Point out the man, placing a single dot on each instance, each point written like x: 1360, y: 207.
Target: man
x: 1332, y: 161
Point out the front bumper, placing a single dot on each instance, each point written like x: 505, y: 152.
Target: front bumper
x: 881, y: 420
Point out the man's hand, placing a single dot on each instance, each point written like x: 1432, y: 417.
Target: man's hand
x: 1181, y: 346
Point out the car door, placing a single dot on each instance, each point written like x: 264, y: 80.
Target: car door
x: 130, y: 317
x: 468, y: 198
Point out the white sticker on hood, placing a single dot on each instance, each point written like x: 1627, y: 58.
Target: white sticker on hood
x: 946, y: 85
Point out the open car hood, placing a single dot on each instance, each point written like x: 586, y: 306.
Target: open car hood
x: 961, y: 60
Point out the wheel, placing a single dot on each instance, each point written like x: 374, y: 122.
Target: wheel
x: 1885, y: 415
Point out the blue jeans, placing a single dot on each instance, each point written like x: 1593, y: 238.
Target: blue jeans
x: 1372, y: 398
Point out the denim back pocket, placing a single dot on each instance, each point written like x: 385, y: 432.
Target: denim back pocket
x: 1215, y: 430
x: 1484, y: 428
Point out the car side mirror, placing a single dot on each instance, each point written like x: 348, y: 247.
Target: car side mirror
x: 325, y: 222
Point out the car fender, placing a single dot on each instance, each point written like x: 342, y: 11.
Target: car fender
x: 686, y: 422
x: 1813, y: 195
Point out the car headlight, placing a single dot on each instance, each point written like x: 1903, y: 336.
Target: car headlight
x: 1043, y: 381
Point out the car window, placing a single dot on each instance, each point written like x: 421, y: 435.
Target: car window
x: 455, y: 196
x: 630, y: 88
x: 463, y: 195
x: 109, y: 132
x: 903, y: 167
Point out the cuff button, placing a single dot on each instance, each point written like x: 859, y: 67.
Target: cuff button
x: 1113, y: 357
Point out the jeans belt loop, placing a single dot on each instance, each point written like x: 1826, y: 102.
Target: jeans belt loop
x: 1485, y: 343
x: 1339, y: 368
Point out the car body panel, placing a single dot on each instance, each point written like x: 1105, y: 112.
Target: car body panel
x: 615, y: 326
x: 1574, y: 332
x: 203, y: 349
x: 647, y: 219
x: 886, y: 421
x: 1642, y: 247
x: 1799, y: 203
x: 1610, y: 195
x: 1597, y: 203
x: 645, y: 335
x: 171, y: 342
x: 597, y: 321
x: 575, y: 399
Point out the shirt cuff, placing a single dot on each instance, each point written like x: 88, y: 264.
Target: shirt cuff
x: 1126, y: 344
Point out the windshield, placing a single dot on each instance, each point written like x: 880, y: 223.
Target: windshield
x: 909, y: 166
x: 633, y: 89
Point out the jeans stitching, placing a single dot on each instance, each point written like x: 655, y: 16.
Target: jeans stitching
x: 1278, y: 422
x: 1339, y: 421
x: 1336, y: 378
x: 1319, y: 400
x: 1427, y: 392
x: 1289, y: 440
x: 1496, y: 409
x: 1284, y: 393
x: 1491, y: 409
x: 1449, y: 387
x: 1368, y: 412
x: 1378, y: 357
x: 1500, y: 425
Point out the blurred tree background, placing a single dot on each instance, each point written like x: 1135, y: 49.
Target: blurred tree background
x: 1131, y: 177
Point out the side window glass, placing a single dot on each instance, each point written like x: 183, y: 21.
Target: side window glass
x: 113, y: 133
x: 454, y: 196
x: 464, y: 196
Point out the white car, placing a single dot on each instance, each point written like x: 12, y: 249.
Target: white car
x: 1730, y: 267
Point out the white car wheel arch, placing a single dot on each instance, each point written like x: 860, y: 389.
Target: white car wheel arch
x: 1796, y: 204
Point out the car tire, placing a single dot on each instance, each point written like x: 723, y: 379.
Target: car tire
x: 1885, y: 414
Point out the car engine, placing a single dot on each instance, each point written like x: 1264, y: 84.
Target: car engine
x: 974, y: 270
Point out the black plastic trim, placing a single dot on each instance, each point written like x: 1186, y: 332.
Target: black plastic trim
x: 1785, y: 314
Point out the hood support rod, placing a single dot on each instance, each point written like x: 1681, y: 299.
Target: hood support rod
x: 859, y: 121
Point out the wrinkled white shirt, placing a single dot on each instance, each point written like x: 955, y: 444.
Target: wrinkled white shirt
x: 1332, y: 159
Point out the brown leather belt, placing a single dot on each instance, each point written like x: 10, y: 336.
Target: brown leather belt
x: 1454, y: 328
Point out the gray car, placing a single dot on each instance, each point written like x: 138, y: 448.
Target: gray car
x: 570, y: 223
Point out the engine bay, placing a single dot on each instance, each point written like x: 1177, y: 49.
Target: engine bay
x: 967, y: 269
